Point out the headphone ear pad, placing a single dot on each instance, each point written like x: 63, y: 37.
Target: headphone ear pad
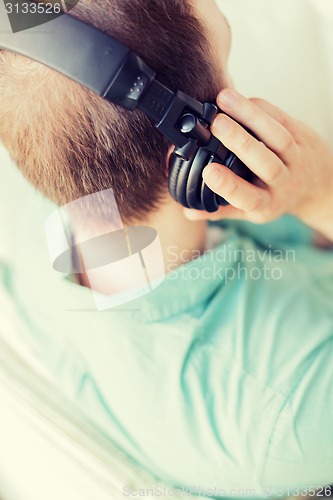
x: 186, y: 185
x: 179, y: 171
x: 175, y: 164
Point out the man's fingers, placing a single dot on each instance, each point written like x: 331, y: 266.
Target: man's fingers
x: 262, y: 161
x: 267, y: 129
x: 270, y: 154
x: 238, y: 192
x: 280, y: 116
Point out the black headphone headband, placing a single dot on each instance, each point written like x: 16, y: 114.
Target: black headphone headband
x: 104, y: 65
x: 73, y: 48
x: 108, y: 68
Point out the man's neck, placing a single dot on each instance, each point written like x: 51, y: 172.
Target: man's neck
x: 181, y: 241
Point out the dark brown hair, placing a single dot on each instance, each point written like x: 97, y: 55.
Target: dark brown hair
x: 69, y: 142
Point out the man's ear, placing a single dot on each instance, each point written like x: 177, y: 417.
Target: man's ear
x: 169, y: 153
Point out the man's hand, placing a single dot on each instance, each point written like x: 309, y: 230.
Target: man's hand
x: 294, y: 166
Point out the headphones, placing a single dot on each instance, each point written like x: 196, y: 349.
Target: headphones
x: 108, y: 68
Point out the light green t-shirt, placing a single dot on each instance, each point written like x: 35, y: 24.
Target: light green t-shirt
x: 220, y: 378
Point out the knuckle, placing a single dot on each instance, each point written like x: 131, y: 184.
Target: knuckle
x: 251, y: 114
x: 232, y: 188
x: 273, y: 172
x: 287, y: 142
x: 245, y: 142
x: 257, y: 204
x: 284, y: 120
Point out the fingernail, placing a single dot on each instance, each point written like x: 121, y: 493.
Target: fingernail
x: 228, y: 100
x: 212, y: 176
x: 223, y: 125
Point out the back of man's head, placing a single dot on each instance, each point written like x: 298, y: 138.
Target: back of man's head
x: 70, y: 143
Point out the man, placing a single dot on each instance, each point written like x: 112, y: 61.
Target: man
x: 227, y: 365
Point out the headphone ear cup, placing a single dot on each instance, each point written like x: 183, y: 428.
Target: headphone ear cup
x: 199, y: 196
x: 186, y: 184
